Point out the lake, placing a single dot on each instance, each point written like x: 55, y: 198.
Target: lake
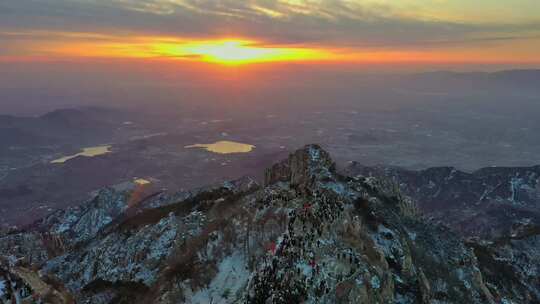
x: 224, y: 147
x: 88, y: 152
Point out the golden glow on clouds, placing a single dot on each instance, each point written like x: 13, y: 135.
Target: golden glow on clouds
x: 322, y: 30
x: 227, y: 51
x: 40, y: 45
x: 237, y: 51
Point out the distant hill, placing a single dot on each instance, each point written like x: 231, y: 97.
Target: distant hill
x: 526, y: 78
x: 503, y: 81
x: 69, y: 126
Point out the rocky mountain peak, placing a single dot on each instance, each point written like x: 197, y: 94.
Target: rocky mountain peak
x: 302, y: 167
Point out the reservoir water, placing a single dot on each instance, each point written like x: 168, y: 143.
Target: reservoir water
x: 88, y: 152
x: 224, y: 147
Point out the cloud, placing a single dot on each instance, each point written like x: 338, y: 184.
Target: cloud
x: 338, y: 23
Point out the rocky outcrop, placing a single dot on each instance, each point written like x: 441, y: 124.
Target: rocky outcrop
x: 82, y: 223
x: 512, y: 263
x: 309, y: 235
x: 301, y: 167
x: 27, y: 246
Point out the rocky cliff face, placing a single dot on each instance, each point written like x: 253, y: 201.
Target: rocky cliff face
x: 308, y: 235
x: 486, y: 203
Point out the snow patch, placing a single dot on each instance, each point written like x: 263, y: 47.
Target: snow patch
x: 232, y: 276
x: 515, y: 185
x: 375, y: 282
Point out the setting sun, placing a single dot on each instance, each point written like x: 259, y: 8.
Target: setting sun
x: 236, y: 51
x: 224, y: 51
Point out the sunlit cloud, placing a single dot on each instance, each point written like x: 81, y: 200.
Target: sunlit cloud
x: 272, y: 30
x: 227, y: 51
x: 459, y: 11
x: 234, y: 51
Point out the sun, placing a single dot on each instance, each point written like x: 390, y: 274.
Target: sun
x: 236, y: 52
x: 223, y: 51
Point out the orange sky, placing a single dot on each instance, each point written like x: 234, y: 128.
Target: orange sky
x: 245, y: 32
x: 237, y: 51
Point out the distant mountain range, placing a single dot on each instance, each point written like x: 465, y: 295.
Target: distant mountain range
x: 509, y: 81
x: 524, y: 77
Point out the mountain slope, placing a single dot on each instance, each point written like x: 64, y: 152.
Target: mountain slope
x: 308, y: 235
x: 485, y: 203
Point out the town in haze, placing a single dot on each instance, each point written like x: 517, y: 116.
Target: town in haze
x: 270, y: 151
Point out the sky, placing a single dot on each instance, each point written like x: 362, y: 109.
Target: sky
x: 231, y: 32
